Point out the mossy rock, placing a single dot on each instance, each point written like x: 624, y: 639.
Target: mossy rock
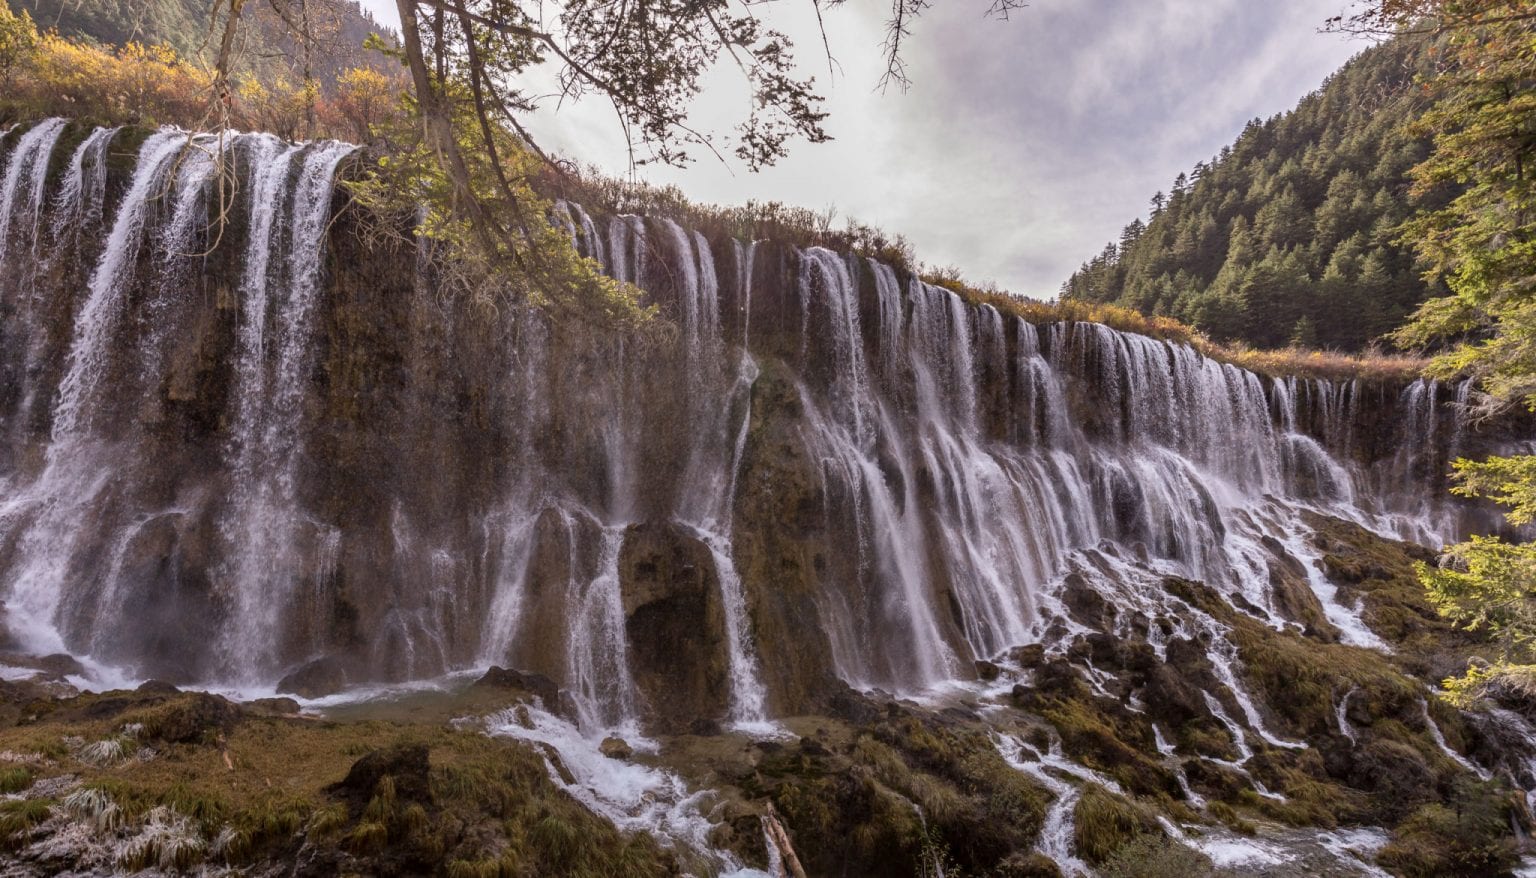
x: 1098, y: 732
x: 1154, y: 856
x: 1389, y: 765
x: 1031, y: 865
x: 187, y: 718
x: 1468, y: 838
x: 1104, y: 823
x: 913, y: 787
x: 273, y: 786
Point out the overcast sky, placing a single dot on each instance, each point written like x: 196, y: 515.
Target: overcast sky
x: 1021, y: 146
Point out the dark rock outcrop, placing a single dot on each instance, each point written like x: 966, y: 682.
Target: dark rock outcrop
x: 537, y: 685
x: 675, y: 624
x: 317, y: 679
x: 408, y: 765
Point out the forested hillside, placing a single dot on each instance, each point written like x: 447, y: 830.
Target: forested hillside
x: 1290, y: 234
x: 337, y: 29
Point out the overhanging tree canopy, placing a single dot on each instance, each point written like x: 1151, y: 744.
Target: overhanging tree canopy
x: 477, y: 69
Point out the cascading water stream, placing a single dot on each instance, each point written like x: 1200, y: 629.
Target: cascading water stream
x: 965, y: 462
x: 634, y: 797
x: 100, y: 311
x: 597, y: 656
x: 77, y: 208
x: 1439, y: 738
x: 1341, y: 714
x: 261, y: 526
x: 273, y: 456
x: 46, y: 517
x: 1058, y: 833
x: 22, y: 189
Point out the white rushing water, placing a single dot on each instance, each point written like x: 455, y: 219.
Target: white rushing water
x: 1058, y: 833
x: 279, y: 300
x: 101, y: 309
x: 77, y: 207
x: 22, y: 188
x: 633, y: 796
x: 174, y: 471
x: 1439, y: 738
x: 970, y: 457
x: 967, y: 464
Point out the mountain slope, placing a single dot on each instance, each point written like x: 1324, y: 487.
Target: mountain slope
x: 1287, y: 236
x: 337, y: 28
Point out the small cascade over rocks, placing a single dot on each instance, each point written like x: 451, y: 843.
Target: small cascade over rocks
x: 237, y: 454
x: 634, y: 797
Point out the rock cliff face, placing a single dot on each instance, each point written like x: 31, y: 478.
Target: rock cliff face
x: 1029, y: 595
x: 230, y: 457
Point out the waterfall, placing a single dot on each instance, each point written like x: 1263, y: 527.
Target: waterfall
x: 287, y: 217
x: 46, y: 518
x: 282, y: 445
x: 79, y: 202
x: 23, y: 189
x: 99, y: 313
x: 1438, y: 737
x: 598, y: 668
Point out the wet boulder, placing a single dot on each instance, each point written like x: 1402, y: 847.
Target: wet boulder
x: 615, y: 748
x: 1172, y: 699
x: 1214, y: 780
x: 1030, y: 655
x: 1056, y: 678
x: 316, y: 679
x: 1086, y: 605
x: 272, y: 707
x: 1029, y: 865
x: 847, y: 703
x: 157, y: 687
x: 54, y: 667
x: 188, y: 718
x: 674, y: 622
x: 408, y: 765
x: 536, y: 685
x: 1397, y: 773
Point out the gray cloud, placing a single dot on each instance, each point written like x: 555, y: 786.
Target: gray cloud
x: 1022, y: 146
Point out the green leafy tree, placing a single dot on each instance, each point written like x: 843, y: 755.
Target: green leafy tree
x: 1304, y: 333
x: 1482, y: 244
x: 477, y: 68
x: 1334, y: 169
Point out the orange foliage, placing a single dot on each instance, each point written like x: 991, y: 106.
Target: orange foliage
x: 141, y: 84
x: 136, y: 84
x: 149, y: 85
x: 364, y: 100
